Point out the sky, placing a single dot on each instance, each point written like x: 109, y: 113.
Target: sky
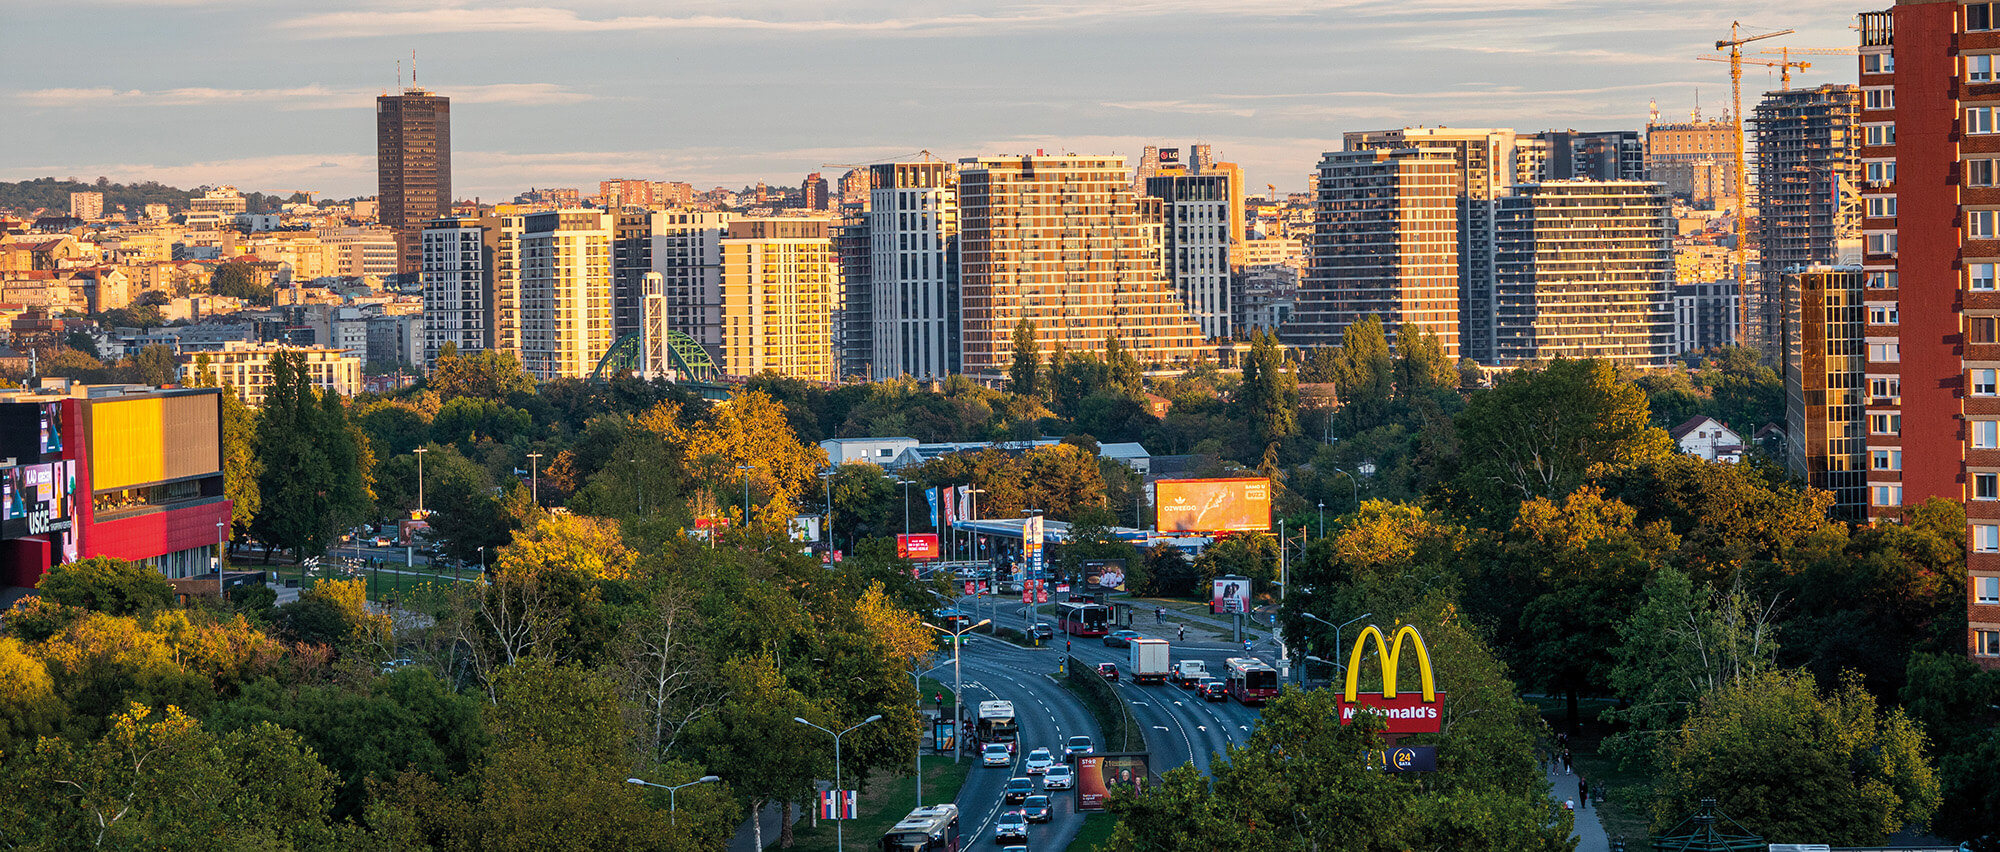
x: 278, y: 96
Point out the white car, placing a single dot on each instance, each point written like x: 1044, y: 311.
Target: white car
x: 996, y: 754
x: 1039, y: 761
x: 1058, y: 777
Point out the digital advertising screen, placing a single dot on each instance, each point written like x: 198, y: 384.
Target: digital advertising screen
x: 1230, y: 594
x: 1213, y: 505
x: 1098, y: 774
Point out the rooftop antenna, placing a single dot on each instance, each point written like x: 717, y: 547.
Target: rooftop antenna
x: 413, y: 69
x: 399, y: 75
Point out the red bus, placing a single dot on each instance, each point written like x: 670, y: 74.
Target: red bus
x: 1085, y: 619
x: 1250, y: 680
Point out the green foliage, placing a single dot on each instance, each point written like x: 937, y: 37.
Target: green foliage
x: 1269, y: 396
x: 317, y: 464
x: 1796, y: 765
x: 1169, y: 573
x: 489, y: 374
x: 1253, y: 555
x: 1541, y: 433
x: 1363, y: 374
x: 53, y: 194
x: 1061, y: 480
x: 1681, y: 644
x: 240, y: 280
x: 107, y: 585
x: 1025, y: 373
x: 1953, y: 700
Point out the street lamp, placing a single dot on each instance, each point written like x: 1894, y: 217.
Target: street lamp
x: 1322, y: 519
x: 839, y: 842
x: 1357, y: 489
x: 673, y: 803
x: 826, y: 528
x: 534, y: 480
x: 746, y: 492
x: 482, y: 562
x: 917, y: 681
x: 957, y: 677
x: 906, y: 504
x: 420, y: 451
x: 1336, y: 633
x: 221, y: 588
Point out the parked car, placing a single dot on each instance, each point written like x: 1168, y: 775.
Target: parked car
x: 1037, y: 809
x: 997, y: 754
x: 1121, y: 638
x: 1018, y: 789
x: 1041, y: 631
x: 1108, y: 670
x: 1040, y: 760
x: 1213, y: 690
x: 1077, y: 746
x: 1013, y: 825
x: 1059, y: 777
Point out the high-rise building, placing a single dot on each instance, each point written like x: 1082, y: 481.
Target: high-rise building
x: 457, y: 282
x: 1826, y: 428
x: 780, y: 278
x: 1694, y: 158
x: 88, y: 206
x: 913, y: 275
x: 1061, y: 242
x: 1385, y: 245
x: 412, y: 167
x: 1202, y: 224
x: 1597, y: 155
x: 566, y: 292
x: 1808, y: 193
x: 687, y: 253
x: 502, y: 243
x: 1584, y: 269
x: 1932, y: 304
x: 854, y: 187
x: 1486, y: 165
x: 854, y: 328
x: 813, y: 192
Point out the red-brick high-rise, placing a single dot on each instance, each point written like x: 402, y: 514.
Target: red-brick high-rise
x: 412, y: 168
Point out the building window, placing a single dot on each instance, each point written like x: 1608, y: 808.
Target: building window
x: 1986, y: 538
x: 1881, y: 172
x: 1878, y: 135
x: 1979, y: 16
x: 1881, y: 280
x: 1979, y: 276
x: 1886, y: 460
x: 1979, y: 224
x: 1979, y: 172
x: 1882, y: 315
x: 1883, y: 98
x: 1885, y: 387
x: 1986, y: 643
x: 1878, y: 63
x: 1983, y: 382
x: 1885, y: 424
x: 1978, y: 120
x: 1887, y: 495
x: 1982, y: 329
x: 1882, y: 206
x: 1886, y: 353
x: 1881, y: 243
x: 1986, y: 434
x: 1986, y: 590
x: 1986, y: 486
x: 1979, y: 69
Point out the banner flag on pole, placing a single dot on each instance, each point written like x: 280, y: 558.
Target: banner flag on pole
x: 965, y: 503
x: 836, y: 804
x: 932, y: 495
x: 950, y: 508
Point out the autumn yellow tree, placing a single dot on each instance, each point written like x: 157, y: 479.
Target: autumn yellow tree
x: 751, y: 431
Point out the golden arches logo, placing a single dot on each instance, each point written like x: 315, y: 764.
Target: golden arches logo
x: 1389, y: 654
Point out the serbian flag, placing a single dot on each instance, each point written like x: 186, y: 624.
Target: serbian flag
x: 836, y: 804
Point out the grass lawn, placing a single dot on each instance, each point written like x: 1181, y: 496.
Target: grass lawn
x: 885, y: 801
x: 1623, y: 813
x: 1096, y: 829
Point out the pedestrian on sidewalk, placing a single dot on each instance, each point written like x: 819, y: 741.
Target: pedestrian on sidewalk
x: 1159, y: 615
x: 1567, y: 765
x: 1183, y: 633
x: 1582, y: 791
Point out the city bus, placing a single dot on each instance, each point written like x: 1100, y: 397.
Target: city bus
x: 1084, y: 619
x: 1249, y: 680
x: 927, y: 829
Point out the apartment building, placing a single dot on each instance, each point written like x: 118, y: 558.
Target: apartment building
x: 1694, y: 158
x: 780, y: 279
x: 1204, y: 241
x: 1386, y: 245
x: 247, y: 368
x: 912, y: 286
x: 1825, y: 364
x: 1584, y: 269
x: 854, y: 331
x: 566, y: 292
x: 457, y: 281
x: 412, y: 168
x: 1809, y: 205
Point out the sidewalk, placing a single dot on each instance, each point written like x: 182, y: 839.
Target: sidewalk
x: 746, y: 837
x: 1589, y: 831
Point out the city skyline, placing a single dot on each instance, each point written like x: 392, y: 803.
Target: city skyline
x: 728, y: 94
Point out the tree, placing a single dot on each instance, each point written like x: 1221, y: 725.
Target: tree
x: 1269, y: 396
x: 1422, y: 370
x: 1798, y: 766
x: 155, y: 365
x: 241, y: 465
x: 487, y: 374
x: 1363, y: 373
x: 1540, y: 433
x: 1683, y: 643
x: 317, y: 464
x: 107, y: 585
x: 1024, y: 375
x: 237, y: 279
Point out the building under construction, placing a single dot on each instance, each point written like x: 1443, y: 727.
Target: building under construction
x: 1808, y: 171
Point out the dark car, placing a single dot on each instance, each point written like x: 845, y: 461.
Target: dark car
x: 1042, y: 631
x: 1011, y: 826
x: 1121, y: 638
x: 1018, y: 789
x: 1037, y: 809
x: 1213, y: 690
x: 1108, y: 670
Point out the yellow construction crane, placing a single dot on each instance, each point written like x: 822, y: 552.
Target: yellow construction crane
x: 920, y: 156
x: 1785, y: 75
x: 1734, y: 44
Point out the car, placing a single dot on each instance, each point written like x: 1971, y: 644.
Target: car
x: 1040, y: 760
x: 1018, y: 788
x: 1059, y: 777
x: 997, y: 754
x: 1042, y: 631
x: 392, y: 666
x: 1013, y: 825
x: 1037, y: 809
x: 1108, y: 670
x: 1121, y: 638
x: 1213, y: 690
x: 1077, y: 746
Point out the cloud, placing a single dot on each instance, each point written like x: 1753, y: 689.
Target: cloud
x: 309, y: 97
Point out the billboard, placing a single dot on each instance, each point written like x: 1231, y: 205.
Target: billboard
x: 1098, y: 774
x: 805, y: 528
x: 30, y: 431
x: 1230, y: 594
x: 918, y: 546
x: 37, y: 499
x: 1032, y: 532
x: 1102, y: 575
x: 1418, y: 713
x: 1214, y: 505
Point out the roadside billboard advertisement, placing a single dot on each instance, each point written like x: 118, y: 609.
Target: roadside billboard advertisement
x: 37, y: 499
x: 1098, y: 774
x: 917, y: 546
x: 1032, y: 532
x: 805, y: 528
x: 1405, y: 713
x: 1106, y: 575
x: 1230, y: 594
x: 1214, y: 505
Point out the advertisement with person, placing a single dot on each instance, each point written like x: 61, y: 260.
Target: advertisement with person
x: 1104, y: 575
x: 918, y: 546
x: 1230, y: 594
x: 1214, y: 505
x: 1098, y: 774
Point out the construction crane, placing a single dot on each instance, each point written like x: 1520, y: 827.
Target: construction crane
x: 1784, y: 75
x: 1734, y: 44
x: 920, y: 156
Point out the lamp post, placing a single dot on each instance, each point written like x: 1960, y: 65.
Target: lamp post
x: 957, y: 676
x: 1336, y: 633
x: 420, y: 451
x: 826, y: 528
x: 1322, y: 519
x: 1284, y: 581
x: 917, y: 681
x: 221, y: 588
x: 482, y: 562
x: 534, y: 480
x: 906, y: 504
x: 746, y: 492
x: 972, y: 504
x: 1357, y: 488
x: 673, y: 803
x: 642, y: 486
x: 839, y: 842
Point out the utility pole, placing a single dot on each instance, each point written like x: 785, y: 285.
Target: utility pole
x: 534, y: 480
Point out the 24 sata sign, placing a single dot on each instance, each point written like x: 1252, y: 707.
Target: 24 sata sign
x: 1416, y: 713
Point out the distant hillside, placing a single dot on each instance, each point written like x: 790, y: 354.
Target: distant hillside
x: 51, y: 194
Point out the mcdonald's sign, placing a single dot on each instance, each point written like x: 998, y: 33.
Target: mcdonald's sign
x: 1408, y: 713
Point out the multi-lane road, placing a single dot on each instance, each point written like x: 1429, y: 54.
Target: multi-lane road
x: 1180, y: 727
